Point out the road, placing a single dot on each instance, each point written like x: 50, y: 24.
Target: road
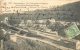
x: 44, y: 41
x: 45, y: 35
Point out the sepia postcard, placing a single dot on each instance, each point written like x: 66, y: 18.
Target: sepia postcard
x: 39, y: 24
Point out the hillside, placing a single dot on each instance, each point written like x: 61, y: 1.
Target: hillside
x: 67, y: 12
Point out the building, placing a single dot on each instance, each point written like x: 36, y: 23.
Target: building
x: 22, y: 24
x: 5, y: 20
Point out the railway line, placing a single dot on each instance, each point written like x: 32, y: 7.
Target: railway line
x: 58, y: 41
x: 47, y: 42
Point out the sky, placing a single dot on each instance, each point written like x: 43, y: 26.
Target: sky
x: 49, y: 3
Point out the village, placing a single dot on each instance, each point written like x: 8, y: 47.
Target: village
x: 42, y: 28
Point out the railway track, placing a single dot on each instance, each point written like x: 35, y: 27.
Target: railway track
x: 56, y: 38
x: 47, y: 42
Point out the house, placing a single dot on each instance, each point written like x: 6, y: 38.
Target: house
x: 5, y: 20
x: 22, y: 24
